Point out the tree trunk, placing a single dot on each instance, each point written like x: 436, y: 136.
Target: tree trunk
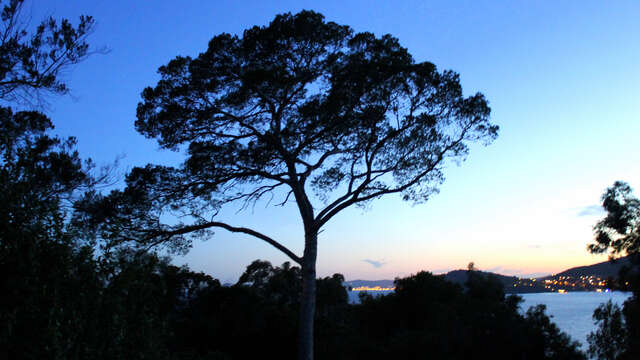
x: 308, y: 299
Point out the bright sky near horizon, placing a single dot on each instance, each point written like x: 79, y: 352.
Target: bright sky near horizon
x: 562, y: 78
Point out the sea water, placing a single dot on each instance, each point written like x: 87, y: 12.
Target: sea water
x: 572, y: 311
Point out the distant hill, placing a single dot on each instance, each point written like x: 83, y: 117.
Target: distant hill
x: 513, y: 284
x: 456, y: 276
x: 603, y: 269
x: 460, y: 277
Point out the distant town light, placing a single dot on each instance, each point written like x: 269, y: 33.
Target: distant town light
x: 375, y: 288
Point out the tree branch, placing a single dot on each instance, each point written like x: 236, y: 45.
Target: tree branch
x: 351, y: 197
x: 234, y: 229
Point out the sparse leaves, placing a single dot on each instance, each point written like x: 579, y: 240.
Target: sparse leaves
x: 619, y: 231
x: 609, y: 340
x: 31, y: 64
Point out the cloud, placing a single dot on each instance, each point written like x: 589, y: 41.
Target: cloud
x: 534, y: 275
x: 375, y: 263
x: 505, y: 271
x: 591, y: 210
x: 534, y: 246
x: 441, y: 271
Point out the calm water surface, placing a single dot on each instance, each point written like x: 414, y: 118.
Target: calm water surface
x: 571, y: 311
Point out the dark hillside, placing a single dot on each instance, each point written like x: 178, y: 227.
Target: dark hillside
x: 603, y: 269
x: 461, y: 276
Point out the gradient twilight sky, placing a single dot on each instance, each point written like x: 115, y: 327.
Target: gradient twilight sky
x: 562, y: 78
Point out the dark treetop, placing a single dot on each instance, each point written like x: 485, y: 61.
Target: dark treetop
x: 31, y: 63
x: 619, y: 231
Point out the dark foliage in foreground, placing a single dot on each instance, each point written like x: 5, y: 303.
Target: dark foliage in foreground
x: 137, y: 306
x: 426, y: 316
x: 618, y: 333
x: 430, y: 317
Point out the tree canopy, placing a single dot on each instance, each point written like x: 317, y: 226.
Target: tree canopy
x: 619, y: 231
x: 303, y: 105
x: 31, y: 62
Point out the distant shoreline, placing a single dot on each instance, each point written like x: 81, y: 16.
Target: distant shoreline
x: 599, y: 277
x: 389, y: 290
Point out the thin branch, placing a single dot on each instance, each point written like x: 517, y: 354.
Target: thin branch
x: 286, y: 199
x: 318, y: 164
x: 233, y: 229
x: 352, y: 197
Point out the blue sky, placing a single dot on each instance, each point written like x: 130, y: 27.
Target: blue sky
x: 562, y: 79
